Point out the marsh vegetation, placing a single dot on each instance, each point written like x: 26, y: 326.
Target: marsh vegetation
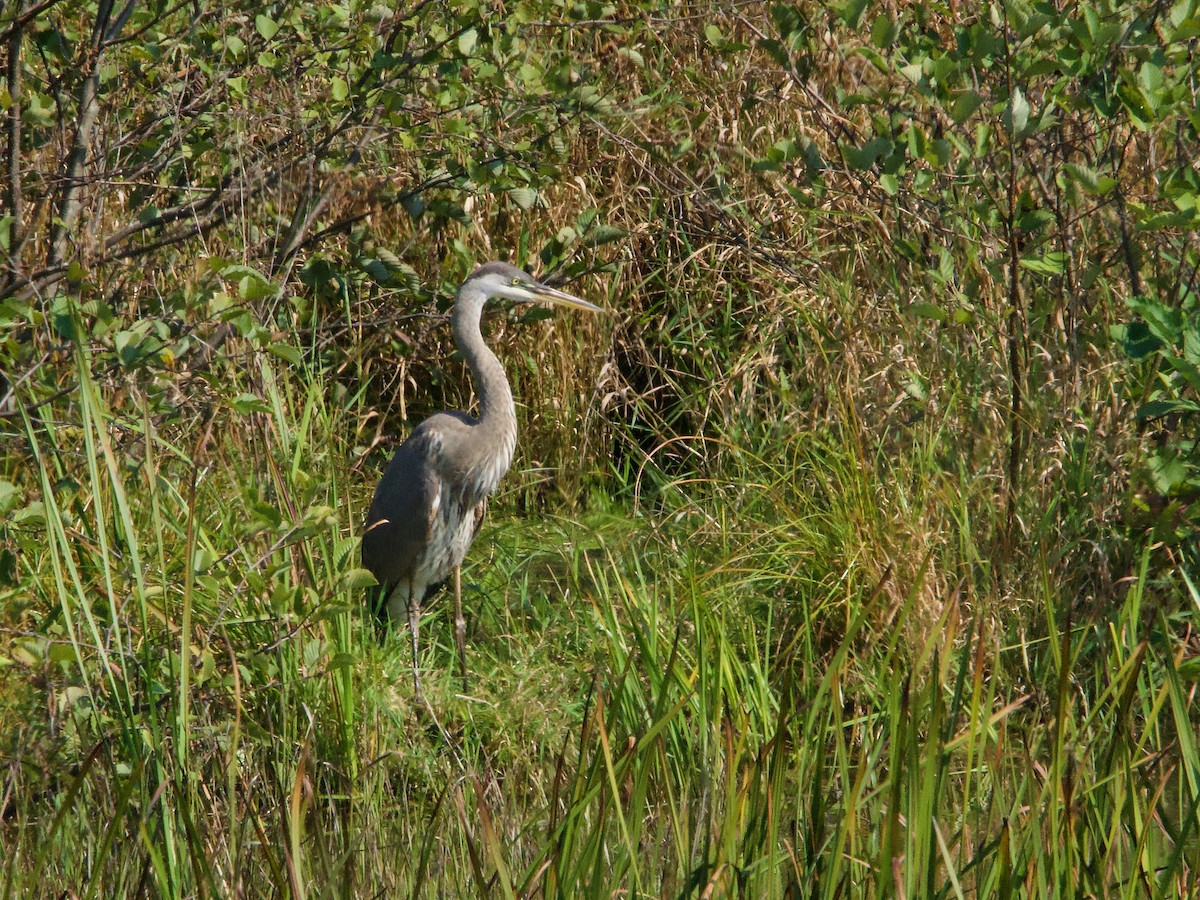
x: 855, y: 555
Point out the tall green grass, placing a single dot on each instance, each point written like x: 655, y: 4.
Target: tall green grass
x: 732, y: 687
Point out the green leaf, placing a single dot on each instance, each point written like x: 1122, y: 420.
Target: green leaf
x: 245, y: 404
x: 1186, y: 30
x: 62, y: 315
x: 1165, y: 322
x: 356, y: 580
x: 1169, y: 472
x: 964, y: 106
x: 1188, y: 371
x: 33, y: 513
x: 1136, y: 340
x: 1156, y: 409
x: 603, y: 234
x: 1189, y: 669
x: 1050, y: 264
x: 8, y: 495
x: 713, y: 35
x: 862, y: 158
x: 377, y: 270
x: 524, y: 197
x: 1017, y: 113
x: 1090, y: 180
x: 929, y: 311
x: 851, y: 11
x: 883, y: 31
x: 61, y: 652
x: 1137, y: 105
x: 467, y: 41
x: 265, y: 26
x: 237, y: 272
x: 338, y: 88
x: 254, y: 287
x: 633, y: 56
x: 1150, y: 78
x: 286, y: 352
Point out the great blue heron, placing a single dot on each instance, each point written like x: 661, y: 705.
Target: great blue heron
x: 429, y: 503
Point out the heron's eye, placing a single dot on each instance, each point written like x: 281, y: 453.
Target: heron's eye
x: 516, y: 281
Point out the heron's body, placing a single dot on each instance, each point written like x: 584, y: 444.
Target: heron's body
x: 443, y: 474
x: 429, y: 503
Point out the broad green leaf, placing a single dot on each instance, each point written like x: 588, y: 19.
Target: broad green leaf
x: 1094, y: 183
x: 851, y: 11
x: 245, y: 404
x: 356, y: 580
x: 1136, y: 340
x: 1156, y: 409
x: 862, y: 158
x: 633, y: 56
x: 603, y: 234
x: 964, y: 106
x: 1150, y: 79
x: 8, y: 495
x: 1169, y: 472
x: 467, y: 41
x: 929, y: 311
x: 883, y: 31
x: 377, y: 269
x: 254, y: 287
x: 524, y: 197
x: 265, y: 26
x: 1135, y: 102
x: 1052, y: 263
x: 1165, y: 322
x: 32, y: 513
x: 1188, y: 371
x: 1017, y: 113
x: 286, y: 352
x: 338, y: 88
x: 1186, y: 30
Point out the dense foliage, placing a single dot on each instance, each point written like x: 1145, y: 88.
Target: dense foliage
x: 855, y: 555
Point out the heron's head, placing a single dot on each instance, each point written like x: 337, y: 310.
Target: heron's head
x: 499, y: 279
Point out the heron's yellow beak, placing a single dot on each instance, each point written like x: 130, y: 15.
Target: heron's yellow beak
x: 559, y: 298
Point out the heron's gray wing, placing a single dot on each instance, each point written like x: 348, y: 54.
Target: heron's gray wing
x: 400, y: 517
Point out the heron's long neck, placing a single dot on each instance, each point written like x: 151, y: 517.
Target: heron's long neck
x: 496, y: 411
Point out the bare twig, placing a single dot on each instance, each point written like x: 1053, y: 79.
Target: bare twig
x: 27, y: 15
x: 70, y: 204
x: 13, y: 191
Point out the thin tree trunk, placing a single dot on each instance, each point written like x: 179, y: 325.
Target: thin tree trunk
x: 13, y: 193
x: 71, y: 203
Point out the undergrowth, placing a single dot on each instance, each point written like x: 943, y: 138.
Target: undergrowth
x: 853, y: 555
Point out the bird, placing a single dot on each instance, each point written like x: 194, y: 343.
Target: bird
x: 428, y: 505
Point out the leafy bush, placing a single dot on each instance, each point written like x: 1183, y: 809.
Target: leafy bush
x: 1167, y: 341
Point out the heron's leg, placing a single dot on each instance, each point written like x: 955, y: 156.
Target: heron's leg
x: 460, y: 624
x: 414, y: 627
